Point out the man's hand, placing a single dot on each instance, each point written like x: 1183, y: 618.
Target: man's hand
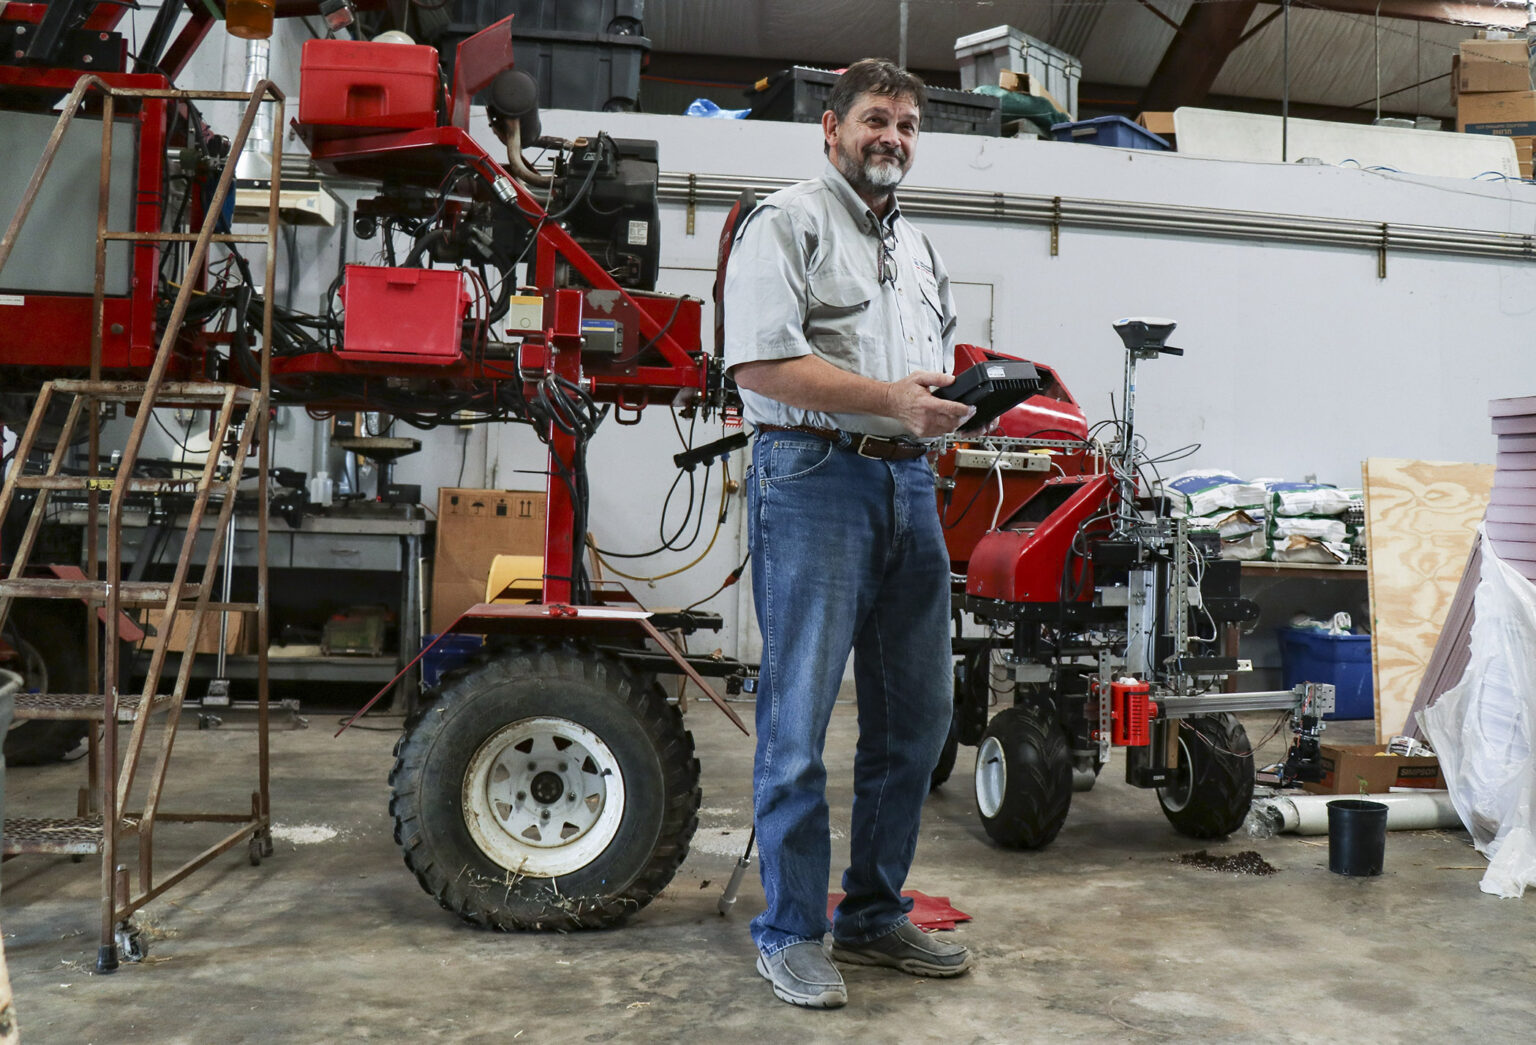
x: 921, y: 412
x: 812, y: 383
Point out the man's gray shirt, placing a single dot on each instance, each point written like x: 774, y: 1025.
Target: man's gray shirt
x: 804, y: 278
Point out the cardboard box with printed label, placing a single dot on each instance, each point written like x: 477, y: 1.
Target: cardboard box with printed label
x: 1512, y: 113
x: 473, y: 527
x: 1367, y: 769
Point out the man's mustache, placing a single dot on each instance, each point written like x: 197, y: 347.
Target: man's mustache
x: 887, y: 150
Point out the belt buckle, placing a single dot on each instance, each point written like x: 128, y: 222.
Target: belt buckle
x: 861, y: 443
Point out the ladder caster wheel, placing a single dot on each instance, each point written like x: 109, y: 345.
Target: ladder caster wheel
x: 131, y: 945
x: 266, y: 843
x: 255, y: 849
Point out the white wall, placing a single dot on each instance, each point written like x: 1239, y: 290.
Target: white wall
x: 1300, y: 360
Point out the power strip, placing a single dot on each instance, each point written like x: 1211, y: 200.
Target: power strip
x: 1008, y: 461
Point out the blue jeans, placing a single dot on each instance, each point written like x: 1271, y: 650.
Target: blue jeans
x: 847, y: 555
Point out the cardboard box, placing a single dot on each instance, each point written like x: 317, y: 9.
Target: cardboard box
x: 1525, y: 150
x: 1512, y: 113
x: 1023, y: 83
x: 1160, y: 124
x: 1491, y: 66
x: 473, y: 527
x: 236, y: 640
x: 1365, y: 769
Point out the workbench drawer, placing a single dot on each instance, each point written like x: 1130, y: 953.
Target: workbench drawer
x: 347, y: 551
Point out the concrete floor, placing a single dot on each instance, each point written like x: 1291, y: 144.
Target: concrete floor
x: 1103, y: 936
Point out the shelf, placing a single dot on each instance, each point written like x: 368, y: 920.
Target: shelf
x: 284, y: 669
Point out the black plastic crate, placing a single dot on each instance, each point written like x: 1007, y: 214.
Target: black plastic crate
x: 799, y: 94
x: 595, y: 73
x: 592, y: 17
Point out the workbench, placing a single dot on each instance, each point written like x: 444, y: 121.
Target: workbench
x: 360, y: 553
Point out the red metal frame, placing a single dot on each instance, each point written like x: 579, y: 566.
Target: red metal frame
x: 1028, y: 563
x: 426, y: 156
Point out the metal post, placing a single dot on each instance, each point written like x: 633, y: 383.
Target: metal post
x: 218, y: 688
x: 901, y: 56
x: 1378, y: 60
x: 1285, y: 85
x: 106, y: 952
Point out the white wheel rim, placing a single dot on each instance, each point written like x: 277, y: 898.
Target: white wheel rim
x: 991, y: 777
x: 543, y: 796
x: 1177, y: 794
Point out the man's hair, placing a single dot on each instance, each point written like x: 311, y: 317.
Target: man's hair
x: 875, y: 76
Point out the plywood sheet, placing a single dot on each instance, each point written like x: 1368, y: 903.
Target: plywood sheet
x: 1421, y: 519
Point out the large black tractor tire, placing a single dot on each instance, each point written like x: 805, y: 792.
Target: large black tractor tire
x: 545, y: 789
x: 1023, y: 778
x: 1210, y: 796
x: 50, y: 655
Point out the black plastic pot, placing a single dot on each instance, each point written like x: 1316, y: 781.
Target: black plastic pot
x: 1357, y: 837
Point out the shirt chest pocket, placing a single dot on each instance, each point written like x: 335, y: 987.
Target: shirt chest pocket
x: 837, y: 301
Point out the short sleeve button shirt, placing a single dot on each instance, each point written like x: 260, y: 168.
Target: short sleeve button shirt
x: 815, y: 271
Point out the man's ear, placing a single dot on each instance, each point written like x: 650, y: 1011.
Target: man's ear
x: 828, y: 129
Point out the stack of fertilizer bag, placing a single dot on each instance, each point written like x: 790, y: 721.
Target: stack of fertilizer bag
x: 1269, y: 519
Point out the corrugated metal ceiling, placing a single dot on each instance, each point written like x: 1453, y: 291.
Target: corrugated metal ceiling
x: 1333, y: 56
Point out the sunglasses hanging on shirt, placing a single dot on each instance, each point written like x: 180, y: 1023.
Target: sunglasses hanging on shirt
x: 885, y: 267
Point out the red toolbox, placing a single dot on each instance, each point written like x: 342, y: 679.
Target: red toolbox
x: 403, y: 315
x: 352, y: 87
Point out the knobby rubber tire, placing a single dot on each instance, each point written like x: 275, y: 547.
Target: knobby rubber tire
x: 1216, y: 767
x: 1038, y: 790
x: 60, y: 643
x: 646, y: 736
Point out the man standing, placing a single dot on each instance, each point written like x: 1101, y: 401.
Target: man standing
x: 839, y: 321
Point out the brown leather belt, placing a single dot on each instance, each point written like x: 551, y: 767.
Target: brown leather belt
x: 876, y: 447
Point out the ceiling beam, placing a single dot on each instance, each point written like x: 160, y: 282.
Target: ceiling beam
x: 1194, y: 58
x: 1466, y: 12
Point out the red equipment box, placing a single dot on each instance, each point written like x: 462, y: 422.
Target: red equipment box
x: 1131, y: 721
x: 403, y: 315
x: 352, y: 87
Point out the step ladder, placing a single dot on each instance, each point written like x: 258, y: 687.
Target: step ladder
x: 111, y: 816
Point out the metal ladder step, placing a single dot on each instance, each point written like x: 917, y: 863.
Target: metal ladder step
x: 170, y: 393
x: 69, y: 836
x: 82, y: 707
x: 133, y: 593
x: 96, y: 482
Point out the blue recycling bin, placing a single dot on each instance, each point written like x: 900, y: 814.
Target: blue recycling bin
x: 1308, y: 655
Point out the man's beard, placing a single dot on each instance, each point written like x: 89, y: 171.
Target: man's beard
x: 873, y: 175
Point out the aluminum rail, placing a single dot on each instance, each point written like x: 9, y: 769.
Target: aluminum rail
x: 1212, y: 703
x: 1166, y: 218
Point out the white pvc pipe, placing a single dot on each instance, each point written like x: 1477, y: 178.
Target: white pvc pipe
x: 1308, y: 814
